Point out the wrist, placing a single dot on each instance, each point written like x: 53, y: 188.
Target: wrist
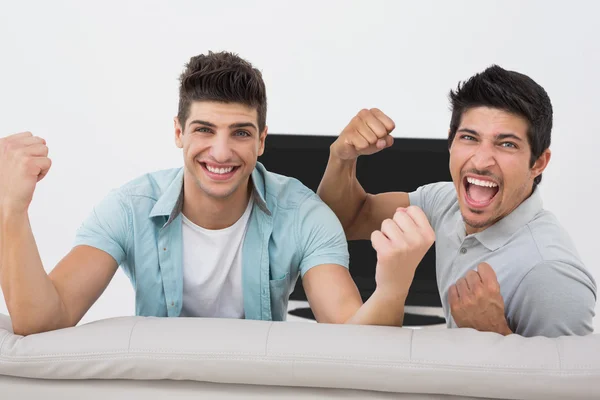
x: 338, y: 155
x: 390, y: 295
x: 505, y: 329
x: 9, y: 213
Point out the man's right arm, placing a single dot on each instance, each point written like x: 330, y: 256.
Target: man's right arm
x: 359, y: 212
x: 36, y: 301
x: 39, y: 302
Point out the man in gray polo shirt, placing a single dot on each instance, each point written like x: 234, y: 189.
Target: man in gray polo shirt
x: 504, y: 264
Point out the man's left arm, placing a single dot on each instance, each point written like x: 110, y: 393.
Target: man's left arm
x: 331, y: 292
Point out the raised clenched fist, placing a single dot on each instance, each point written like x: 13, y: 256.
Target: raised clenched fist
x: 23, y: 162
x: 367, y: 133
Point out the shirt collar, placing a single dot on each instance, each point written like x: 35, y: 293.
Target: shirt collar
x: 498, y: 234
x: 170, y: 203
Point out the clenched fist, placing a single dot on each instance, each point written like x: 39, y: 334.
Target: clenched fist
x: 23, y: 162
x: 367, y: 133
x: 476, y: 302
x: 401, y: 244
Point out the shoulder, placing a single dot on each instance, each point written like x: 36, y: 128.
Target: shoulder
x: 551, y: 239
x: 284, y: 193
x: 439, y: 192
x: 435, y: 199
x: 295, y: 206
x: 152, y: 184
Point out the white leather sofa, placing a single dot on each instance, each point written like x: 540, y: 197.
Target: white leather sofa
x: 185, y: 358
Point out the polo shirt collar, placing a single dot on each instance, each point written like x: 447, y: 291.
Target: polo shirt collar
x: 499, y: 234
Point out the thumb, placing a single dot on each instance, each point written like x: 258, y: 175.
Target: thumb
x: 385, y: 142
x: 389, y: 140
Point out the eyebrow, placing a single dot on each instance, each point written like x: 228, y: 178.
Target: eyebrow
x: 232, y: 126
x: 500, y: 136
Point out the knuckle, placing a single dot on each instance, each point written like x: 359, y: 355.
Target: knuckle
x: 493, y: 288
x: 388, y: 223
x: 471, y: 274
x: 375, y: 236
x: 478, y: 291
x: 361, y: 145
x: 363, y: 113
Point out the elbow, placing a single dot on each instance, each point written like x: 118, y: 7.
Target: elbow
x: 22, y: 328
x: 26, y: 328
x: 27, y: 322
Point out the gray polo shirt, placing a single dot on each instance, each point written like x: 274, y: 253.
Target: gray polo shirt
x: 547, y: 290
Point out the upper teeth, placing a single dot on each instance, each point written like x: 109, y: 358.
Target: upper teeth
x: 219, y: 170
x: 479, y: 182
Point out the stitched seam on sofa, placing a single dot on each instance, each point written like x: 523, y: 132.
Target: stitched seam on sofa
x: 130, y: 335
x: 2, y: 342
x: 236, y: 357
x: 267, y: 340
x: 311, y: 357
x: 158, y: 354
x: 410, y: 340
x: 506, y: 370
x: 559, y: 353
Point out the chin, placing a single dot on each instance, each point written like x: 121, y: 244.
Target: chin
x: 476, y: 219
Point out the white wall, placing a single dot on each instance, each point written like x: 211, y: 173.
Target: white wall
x: 99, y: 82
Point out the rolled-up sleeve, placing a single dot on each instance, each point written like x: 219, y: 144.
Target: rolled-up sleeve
x: 319, y: 235
x: 107, y: 227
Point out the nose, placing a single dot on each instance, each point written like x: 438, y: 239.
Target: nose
x: 483, y: 158
x: 220, y: 149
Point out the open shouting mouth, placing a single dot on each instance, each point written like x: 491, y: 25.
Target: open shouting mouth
x: 480, y: 192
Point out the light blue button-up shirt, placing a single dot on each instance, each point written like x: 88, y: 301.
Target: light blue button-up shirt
x: 290, y: 231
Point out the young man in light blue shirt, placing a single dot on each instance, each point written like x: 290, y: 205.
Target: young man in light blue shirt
x: 220, y: 237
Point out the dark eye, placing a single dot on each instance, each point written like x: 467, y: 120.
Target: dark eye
x: 242, y: 133
x: 467, y: 137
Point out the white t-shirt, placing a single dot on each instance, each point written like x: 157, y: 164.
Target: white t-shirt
x: 212, y: 269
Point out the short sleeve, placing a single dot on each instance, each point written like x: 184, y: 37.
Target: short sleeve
x: 320, y: 236
x: 434, y: 199
x: 553, y: 299
x: 107, y: 227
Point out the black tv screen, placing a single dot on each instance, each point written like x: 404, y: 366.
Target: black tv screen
x: 408, y: 164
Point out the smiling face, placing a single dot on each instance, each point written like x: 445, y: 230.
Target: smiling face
x: 490, y: 165
x: 221, y: 144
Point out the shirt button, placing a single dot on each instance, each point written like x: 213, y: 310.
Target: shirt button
x: 172, y: 304
x: 463, y: 250
x: 164, y: 249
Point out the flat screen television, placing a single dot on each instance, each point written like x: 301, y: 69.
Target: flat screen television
x: 405, y: 166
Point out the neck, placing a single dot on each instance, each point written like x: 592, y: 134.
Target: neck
x: 210, y: 212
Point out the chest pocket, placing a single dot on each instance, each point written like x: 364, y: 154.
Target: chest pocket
x: 280, y: 289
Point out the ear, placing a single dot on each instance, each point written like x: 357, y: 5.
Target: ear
x: 261, y: 144
x: 178, y: 133
x: 541, y: 163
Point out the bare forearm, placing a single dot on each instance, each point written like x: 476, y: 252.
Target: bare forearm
x: 31, y: 298
x: 341, y: 191
x: 381, y: 309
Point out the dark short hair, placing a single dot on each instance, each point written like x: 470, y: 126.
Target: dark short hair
x: 512, y: 92
x: 222, y: 77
